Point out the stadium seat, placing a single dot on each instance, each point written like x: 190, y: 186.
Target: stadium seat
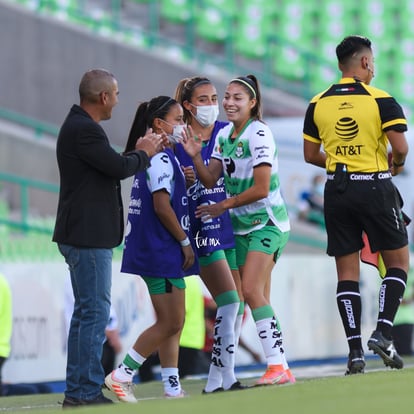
x: 296, y: 37
x: 255, y: 23
x: 334, y: 19
x: 176, y: 11
x: 214, y: 20
x: 321, y: 76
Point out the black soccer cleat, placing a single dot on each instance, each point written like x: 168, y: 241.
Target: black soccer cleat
x: 356, y: 362
x: 385, y: 349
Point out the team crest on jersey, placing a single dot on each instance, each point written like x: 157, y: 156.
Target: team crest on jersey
x: 239, y: 150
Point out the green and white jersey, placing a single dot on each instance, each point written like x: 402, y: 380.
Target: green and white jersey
x: 255, y: 145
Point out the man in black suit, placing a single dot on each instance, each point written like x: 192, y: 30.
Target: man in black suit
x: 89, y: 224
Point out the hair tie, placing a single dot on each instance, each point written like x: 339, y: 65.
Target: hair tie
x: 201, y: 82
x: 246, y: 84
x: 163, y: 105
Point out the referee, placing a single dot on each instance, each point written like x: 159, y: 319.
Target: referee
x: 354, y: 123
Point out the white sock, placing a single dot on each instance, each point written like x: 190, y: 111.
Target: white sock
x: 284, y: 361
x: 270, y: 338
x: 237, y: 329
x: 129, y: 366
x: 214, y: 379
x: 223, y: 354
x: 171, y: 381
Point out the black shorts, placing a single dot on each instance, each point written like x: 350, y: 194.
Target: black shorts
x: 370, y: 203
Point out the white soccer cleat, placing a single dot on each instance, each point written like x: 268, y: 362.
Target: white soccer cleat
x: 122, y: 390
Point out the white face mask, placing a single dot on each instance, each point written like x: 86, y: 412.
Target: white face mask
x: 206, y: 114
x: 177, y: 134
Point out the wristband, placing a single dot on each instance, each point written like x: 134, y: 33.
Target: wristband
x: 399, y: 164
x: 185, y: 242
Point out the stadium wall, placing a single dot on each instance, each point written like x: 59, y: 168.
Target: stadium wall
x: 303, y: 295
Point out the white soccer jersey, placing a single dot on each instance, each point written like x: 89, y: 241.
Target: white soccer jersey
x: 255, y: 145
x: 160, y: 175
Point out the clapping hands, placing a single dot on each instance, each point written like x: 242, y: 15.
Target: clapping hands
x: 151, y: 143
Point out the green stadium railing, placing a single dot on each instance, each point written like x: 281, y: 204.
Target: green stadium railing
x: 40, y: 129
x: 25, y: 185
x: 29, y: 238
x: 36, y: 241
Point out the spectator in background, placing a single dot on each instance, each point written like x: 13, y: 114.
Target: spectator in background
x: 191, y: 359
x: 403, y: 328
x: 112, y: 345
x: 89, y: 224
x: 310, y: 206
x: 5, y: 323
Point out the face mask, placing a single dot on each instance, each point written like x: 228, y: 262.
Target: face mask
x: 177, y: 134
x: 206, y: 114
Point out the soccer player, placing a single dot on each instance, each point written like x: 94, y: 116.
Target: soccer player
x: 158, y: 248
x: 214, y: 238
x: 246, y: 153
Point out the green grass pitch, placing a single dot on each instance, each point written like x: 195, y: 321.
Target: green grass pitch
x: 377, y: 391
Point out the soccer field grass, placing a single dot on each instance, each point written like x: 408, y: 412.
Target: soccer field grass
x: 378, y: 391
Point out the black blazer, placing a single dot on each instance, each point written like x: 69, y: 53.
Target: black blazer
x: 90, y: 210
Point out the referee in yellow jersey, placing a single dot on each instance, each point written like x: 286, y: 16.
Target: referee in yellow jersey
x: 347, y: 130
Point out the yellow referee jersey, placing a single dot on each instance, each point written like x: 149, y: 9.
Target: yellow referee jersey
x: 350, y: 119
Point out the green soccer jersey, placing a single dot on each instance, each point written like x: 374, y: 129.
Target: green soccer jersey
x: 255, y: 145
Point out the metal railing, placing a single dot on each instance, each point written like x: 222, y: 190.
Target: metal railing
x: 25, y: 185
x: 40, y: 128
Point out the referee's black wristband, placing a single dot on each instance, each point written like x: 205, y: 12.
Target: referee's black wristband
x: 401, y: 164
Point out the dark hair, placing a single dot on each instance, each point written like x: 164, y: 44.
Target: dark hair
x: 184, y: 92
x: 251, y: 85
x: 157, y: 107
x: 350, y: 46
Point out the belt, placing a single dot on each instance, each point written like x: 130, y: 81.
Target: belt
x: 363, y: 177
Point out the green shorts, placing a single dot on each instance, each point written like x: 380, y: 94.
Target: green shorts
x: 269, y: 240
x: 159, y: 285
x: 227, y: 254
